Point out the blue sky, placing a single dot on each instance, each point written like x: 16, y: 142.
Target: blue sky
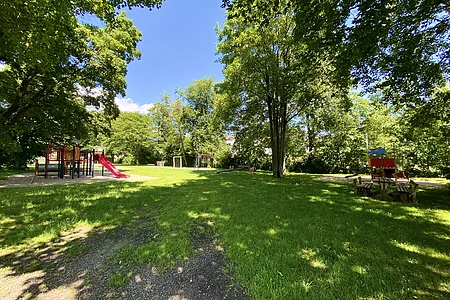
x: 178, y: 46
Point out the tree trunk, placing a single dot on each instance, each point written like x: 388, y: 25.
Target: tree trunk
x: 278, y: 125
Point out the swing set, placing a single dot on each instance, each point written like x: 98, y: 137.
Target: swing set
x: 204, y: 160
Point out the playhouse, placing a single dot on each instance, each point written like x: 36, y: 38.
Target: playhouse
x: 381, y: 166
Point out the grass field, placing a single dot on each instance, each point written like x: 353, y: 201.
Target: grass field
x: 4, y: 174
x: 295, y: 238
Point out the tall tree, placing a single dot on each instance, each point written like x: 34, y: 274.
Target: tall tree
x: 399, y: 46
x: 170, y: 125
x: 131, y: 134
x: 206, y: 133
x: 52, y: 67
x: 272, y: 75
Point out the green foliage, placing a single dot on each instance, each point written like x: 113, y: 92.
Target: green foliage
x: 270, y: 77
x: 131, y: 135
x: 400, y: 46
x: 206, y: 132
x: 169, y: 119
x: 53, y: 66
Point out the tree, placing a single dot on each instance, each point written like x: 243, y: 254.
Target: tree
x: 426, y: 136
x: 131, y: 134
x: 170, y: 124
x: 206, y: 132
x: 399, y: 46
x: 273, y: 76
x: 52, y: 67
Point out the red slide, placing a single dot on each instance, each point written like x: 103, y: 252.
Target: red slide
x: 110, y: 166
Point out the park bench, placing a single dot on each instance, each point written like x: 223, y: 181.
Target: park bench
x: 244, y: 167
x: 362, y: 188
x: 408, y: 193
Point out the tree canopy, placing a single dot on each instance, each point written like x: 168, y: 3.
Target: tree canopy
x: 52, y: 66
x: 274, y: 77
x: 400, y: 46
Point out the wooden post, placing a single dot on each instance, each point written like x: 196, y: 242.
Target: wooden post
x: 395, y: 166
x: 73, y: 162
x: 46, y: 163
x: 92, y: 161
x: 61, y: 165
x: 103, y: 168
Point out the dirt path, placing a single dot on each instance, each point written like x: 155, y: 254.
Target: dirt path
x: 49, y: 273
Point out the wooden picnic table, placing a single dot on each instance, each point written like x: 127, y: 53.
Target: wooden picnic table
x: 384, y: 182
x: 362, y: 188
x: 408, y: 192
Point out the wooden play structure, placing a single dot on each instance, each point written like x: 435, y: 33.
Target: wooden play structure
x: 62, y: 160
x: 384, y: 171
x: 381, y: 166
x: 204, y: 160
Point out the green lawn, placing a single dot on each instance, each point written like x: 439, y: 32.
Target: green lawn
x: 295, y: 238
x: 4, y: 174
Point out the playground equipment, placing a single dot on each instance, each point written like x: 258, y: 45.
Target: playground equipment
x: 204, y: 159
x: 381, y: 166
x: 101, y: 158
x: 180, y: 161
x: 62, y: 160
x: 65, y: 160
x: 384, y: 171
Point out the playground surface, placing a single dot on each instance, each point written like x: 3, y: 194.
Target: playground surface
x: 342, y: 178
x: 26, y: 179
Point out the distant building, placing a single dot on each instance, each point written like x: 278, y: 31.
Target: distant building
x: 230, y: 139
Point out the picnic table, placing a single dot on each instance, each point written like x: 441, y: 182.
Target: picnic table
x: 362, y: 188
x: 408, y: 191
x: 384, y: 182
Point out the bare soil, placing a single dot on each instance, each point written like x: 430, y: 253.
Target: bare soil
x: 50, y: 273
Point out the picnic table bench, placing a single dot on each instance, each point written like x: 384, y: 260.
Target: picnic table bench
x: 408, y: 193
x: 244, y: 167
x: 362, y: 188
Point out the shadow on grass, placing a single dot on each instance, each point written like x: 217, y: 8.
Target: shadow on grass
x: 290, y: 238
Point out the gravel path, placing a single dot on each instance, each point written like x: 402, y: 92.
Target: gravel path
x: 28, y: 179
x: 48, y: 273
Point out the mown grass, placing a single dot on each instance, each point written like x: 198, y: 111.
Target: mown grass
x: 4, y: 174
x: 295, y: 238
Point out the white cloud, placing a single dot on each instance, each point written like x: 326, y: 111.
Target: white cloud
x: 127, y: 104
x: 94, y: 92
x: 124, y: 104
